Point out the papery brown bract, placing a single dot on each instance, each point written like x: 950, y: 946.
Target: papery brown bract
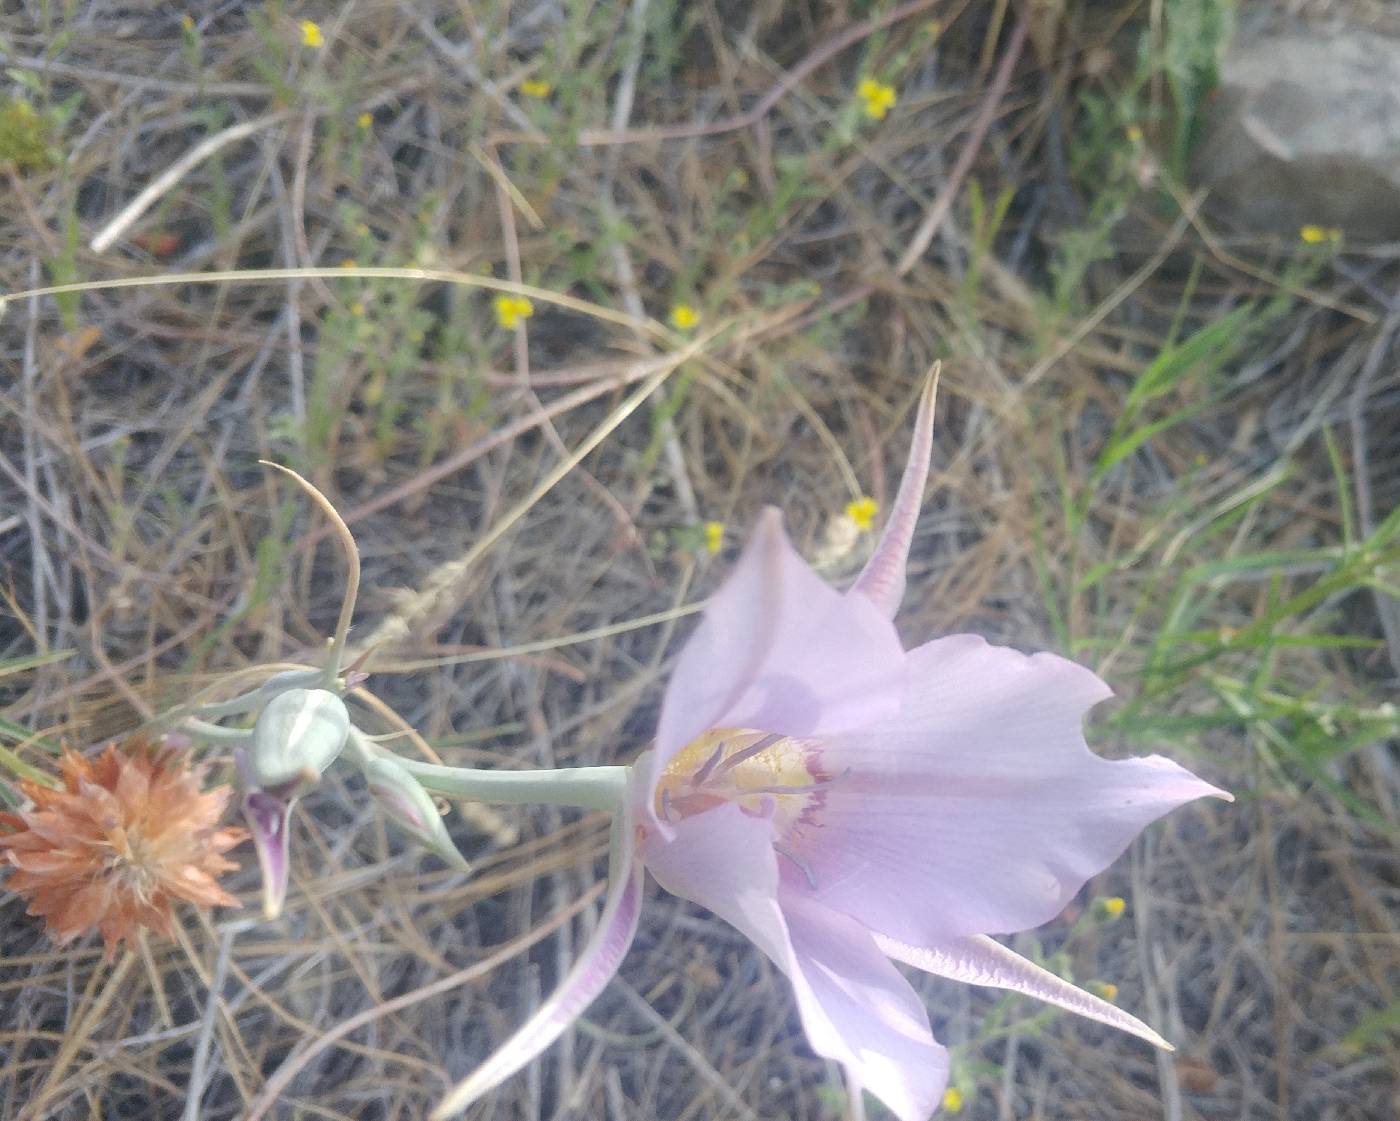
x: 129, y: 833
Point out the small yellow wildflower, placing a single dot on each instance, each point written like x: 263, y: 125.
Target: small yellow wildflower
x: 536, y: 87
x: 364, y: 120
x: 357, y: 309
x: 862, y: 511
x: 311, y: 34
x: 187, y: 23
x: 684, y: 317
x: 714, y: 536
x: 1106, y: 989
x: 1110, y: 909
x: 348, y: 263
x: 1133, y: 133
x: 876, y: 98
x: 952, y: 1100
x: 1316, y: 235
x: 510, y: 310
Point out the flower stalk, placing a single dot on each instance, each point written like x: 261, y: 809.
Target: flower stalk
x: 589, y: 788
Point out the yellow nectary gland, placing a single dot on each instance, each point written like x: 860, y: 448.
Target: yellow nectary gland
x: 754, y: 769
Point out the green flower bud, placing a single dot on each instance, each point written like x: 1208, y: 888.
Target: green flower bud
x: 297, y: 736
x: 408, y: 806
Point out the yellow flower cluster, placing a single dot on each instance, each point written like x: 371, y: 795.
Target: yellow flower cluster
x: 862, y: 511
x: 510, y: 310
x: 1317, y: 235
x: 876, y: 98
x: 683, y: 317
x: 952, y: 1100
x: 1105, y: 989
x: 311, y: 34
x: 536, y: 87
x: 714, y: 536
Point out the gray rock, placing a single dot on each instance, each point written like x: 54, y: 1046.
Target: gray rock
x: 1305, y: 130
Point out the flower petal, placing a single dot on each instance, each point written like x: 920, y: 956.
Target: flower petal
x: 858, y: 1010
x: 855, y: 1007
x: 978, y: 960
x: 779, y: 650
x: 980, y: 809
x: 723, y: 859
x: 881, y: 581
x: 595, y: 967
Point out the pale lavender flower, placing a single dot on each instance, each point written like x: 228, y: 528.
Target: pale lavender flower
x: 843, y: 802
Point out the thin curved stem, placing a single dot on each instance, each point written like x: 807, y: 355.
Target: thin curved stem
x: 352, y: 578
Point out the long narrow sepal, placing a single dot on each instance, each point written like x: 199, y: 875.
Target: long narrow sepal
x: 269, y: 824
x: 882, y: 579
x: 979, y: 960
x: 590, y: 974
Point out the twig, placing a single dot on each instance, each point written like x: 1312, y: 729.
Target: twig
x: 1365, y: 507
x: 990, y: 104
x: 594, y: 137
x: 294, y: 1064
x: 101, y: 990
x: 138, y: 206
x: 441, y: 593
x: 692, y: 1056
x: 200, y: 1062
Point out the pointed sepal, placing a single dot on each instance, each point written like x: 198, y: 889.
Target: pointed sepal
x: 590, y: 974
x: 979, y: 960
x: 882, y: 579
x: 269, y: 824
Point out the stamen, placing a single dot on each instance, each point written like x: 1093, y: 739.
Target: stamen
x: 756, y: 748
x: 698, y: 779
x: 668, y: 813
x: 802, y: 865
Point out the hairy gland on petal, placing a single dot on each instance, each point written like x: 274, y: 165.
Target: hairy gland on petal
x: 765, y: 775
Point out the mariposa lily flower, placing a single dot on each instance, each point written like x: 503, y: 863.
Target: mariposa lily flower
x: 844, y: 802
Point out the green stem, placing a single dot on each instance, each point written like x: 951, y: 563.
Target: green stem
x: 24, y: 770
x: 591, y: 788
x: 213, y: 733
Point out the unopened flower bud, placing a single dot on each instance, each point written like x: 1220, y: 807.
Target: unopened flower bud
x: 297, y: 736
x: 409, y: 806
